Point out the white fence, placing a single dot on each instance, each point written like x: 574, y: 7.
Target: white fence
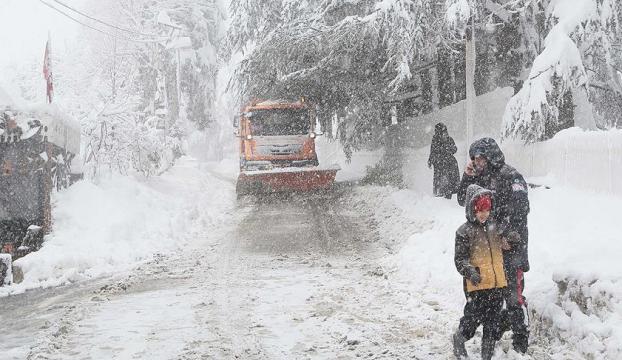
x: 590, y: 160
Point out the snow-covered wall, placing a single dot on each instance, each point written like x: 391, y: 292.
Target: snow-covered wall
x: 590, y: 160
x: 488, y: 114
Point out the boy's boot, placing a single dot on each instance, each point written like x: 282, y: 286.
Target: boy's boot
x: 520, y: 342
x: 488, y: 348
x: 459, y: 349
x: 504, y: 323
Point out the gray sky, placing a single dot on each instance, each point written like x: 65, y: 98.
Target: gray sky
x: 24, y: 25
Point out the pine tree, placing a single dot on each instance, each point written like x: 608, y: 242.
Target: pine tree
x: 577, y: 55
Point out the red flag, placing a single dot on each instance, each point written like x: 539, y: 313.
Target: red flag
x: 47, y: 70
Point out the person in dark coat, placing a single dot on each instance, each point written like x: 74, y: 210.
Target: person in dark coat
x: 479, y: 259
x: 446, y: 173
x: 487, y: 168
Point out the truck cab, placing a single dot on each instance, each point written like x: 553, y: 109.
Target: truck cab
x: 277, y: 148
x: 277, y: 134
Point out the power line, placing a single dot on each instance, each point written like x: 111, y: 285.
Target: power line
x: 76, y: 20
x: 101, y: 21
x: 94, y: 28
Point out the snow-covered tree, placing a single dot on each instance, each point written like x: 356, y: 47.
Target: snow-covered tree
x: 144, y: 82
x: 346, y: 56
x: 577, y: 56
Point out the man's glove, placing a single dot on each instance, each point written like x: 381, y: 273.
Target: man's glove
x: 475, y: 277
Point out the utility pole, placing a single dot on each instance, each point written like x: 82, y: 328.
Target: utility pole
x: 470, y: 80
x: 114, y: 70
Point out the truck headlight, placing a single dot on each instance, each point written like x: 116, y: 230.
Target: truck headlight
x: 249, y: 137
x: 312, y: 135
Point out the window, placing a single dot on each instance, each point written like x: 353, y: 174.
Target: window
x: 280, y: 122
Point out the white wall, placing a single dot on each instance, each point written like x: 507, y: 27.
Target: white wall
x: 488, y: 116
x: 589, y: 160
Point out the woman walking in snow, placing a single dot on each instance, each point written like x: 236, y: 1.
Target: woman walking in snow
x: 446, y: 173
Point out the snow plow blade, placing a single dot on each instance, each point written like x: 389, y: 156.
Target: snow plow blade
x: 285, y: 180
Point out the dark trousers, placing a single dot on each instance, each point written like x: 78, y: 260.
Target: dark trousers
x: 515, y: 313
x: 483, y: 307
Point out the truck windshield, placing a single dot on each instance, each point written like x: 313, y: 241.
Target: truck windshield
x: 280, y: 122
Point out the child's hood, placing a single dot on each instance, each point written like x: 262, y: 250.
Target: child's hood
x: 474, y: 191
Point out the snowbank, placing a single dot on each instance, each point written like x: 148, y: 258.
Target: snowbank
x: 111, y: 226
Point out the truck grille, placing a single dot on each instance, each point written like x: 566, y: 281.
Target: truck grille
x: 288, y: 149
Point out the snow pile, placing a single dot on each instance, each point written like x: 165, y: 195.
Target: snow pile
x: 576, y: 271
x: 425, y: 259
x: 111, y: 226
x: 586, y: 313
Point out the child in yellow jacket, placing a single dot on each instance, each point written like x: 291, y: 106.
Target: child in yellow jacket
x: 479, y: 259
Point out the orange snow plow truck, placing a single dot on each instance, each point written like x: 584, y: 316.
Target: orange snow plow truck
x: 277, y: 149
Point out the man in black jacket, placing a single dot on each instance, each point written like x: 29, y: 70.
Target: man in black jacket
x: 487, y: 168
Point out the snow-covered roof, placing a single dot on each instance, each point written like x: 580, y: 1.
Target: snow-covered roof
x: 62, y: 129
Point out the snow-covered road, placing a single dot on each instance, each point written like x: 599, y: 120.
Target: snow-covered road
x: 295, y: 277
